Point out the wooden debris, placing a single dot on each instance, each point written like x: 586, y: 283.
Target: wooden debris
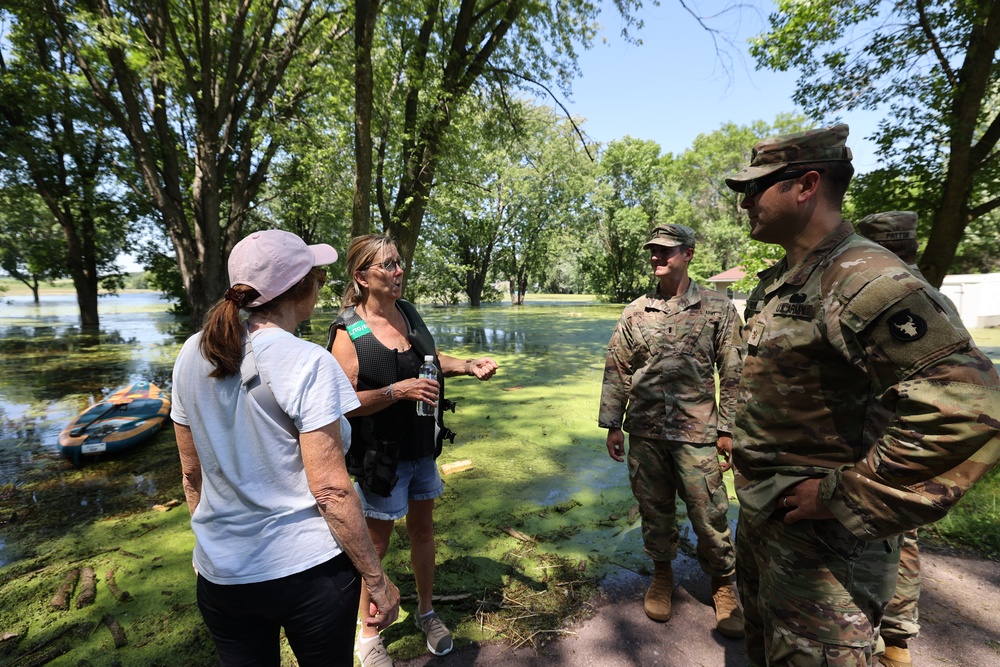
x: 129, y: 554
x: 117, y: 631
x: 632, y: 512
x: 61, y: 599
x: 517, y: 535
x: 46, y: 648
x: 120, y: 595
x: 6, y: 636
x: 88, y: 588
x: 43, y: 658
x: 457, y: 466
x: 167, y: 506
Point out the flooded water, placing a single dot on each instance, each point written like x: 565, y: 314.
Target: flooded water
x: 50, y: 370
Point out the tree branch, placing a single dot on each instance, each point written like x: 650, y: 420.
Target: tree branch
x: 555, y: 99
x: 984, y: 208
x: 935, y: 44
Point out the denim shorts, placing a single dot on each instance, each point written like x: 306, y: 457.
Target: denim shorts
x: 418, y: 480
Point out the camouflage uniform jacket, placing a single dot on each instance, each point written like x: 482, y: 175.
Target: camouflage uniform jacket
x: 854, y: 374
x: 661, y: 362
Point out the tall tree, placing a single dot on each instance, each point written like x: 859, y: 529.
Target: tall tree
x: 32, y: 244
x: 196, y: 88
x: 630, y: 181
x: 934, y: 64
x: 552, y: 178
x: 53, y: 138
x: 433, y: 57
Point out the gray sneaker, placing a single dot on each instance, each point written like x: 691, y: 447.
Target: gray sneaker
x: 438, y: 637
x: 373, y: 654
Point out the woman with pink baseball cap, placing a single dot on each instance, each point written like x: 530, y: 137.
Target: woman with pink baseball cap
x: 280, y: 539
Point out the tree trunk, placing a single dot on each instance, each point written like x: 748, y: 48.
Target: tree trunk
x: 970, y: 91
x: 366, y: 12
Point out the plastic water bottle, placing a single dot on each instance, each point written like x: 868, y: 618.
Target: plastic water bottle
x: 427, y: 370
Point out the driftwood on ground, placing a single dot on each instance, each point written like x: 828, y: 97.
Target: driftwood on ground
x: 88, y: 588
x: 120, y: 595
x: 117, y: 631
x: 61, y: 599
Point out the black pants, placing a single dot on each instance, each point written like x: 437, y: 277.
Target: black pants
x: 318, y: 609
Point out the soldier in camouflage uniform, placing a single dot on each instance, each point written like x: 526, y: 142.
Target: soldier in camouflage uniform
x: 897, y: 231
x: 839, y: 334
x: 659, y: 385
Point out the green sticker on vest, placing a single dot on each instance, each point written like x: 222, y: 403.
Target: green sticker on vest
x: 358, y: 329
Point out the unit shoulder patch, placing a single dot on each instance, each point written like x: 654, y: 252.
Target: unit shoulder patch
x: 907, y: 326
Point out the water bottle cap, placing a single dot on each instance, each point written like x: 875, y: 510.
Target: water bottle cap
x: 429, y: 358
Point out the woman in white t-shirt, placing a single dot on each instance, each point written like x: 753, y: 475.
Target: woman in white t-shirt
x: 280, y: 539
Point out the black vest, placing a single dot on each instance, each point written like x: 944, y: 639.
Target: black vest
x: 378, y: 367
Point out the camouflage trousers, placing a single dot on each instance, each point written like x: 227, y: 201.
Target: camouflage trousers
x: 901, y: 619
x: 812, y: 592
x: 661, y: 470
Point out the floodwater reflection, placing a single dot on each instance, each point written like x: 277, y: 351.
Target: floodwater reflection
x: 51, y: 369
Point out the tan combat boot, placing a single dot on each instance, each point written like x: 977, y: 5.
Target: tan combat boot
x: 728, y: 615
x: 661, y: 589
x: 895, y: 656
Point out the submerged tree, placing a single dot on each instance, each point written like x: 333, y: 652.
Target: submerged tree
x: 630, y: 183
x: 935, y: 65
x: 433, y: 55
x: 53, y: 139
x: 196, y: 89
x: 32, y: 244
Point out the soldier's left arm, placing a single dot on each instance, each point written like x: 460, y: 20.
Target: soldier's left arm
x: 729, y: 364
x: 943, y: 395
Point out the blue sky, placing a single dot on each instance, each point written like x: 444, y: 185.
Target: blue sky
x: 673, y: 86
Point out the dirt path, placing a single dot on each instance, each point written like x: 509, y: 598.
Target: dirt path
x: 959, y: 606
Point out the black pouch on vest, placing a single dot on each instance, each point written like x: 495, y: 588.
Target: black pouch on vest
x: 379, y: 468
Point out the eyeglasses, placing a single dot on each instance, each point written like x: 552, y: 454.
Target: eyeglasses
x: 389, y: 265
x: 758, y: 185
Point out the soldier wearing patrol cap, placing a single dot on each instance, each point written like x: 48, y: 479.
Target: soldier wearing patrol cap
x: 863, y: 412
x: 659, y: 386
x: 897, y: 231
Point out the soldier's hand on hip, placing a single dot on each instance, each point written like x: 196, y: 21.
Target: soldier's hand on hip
x: 804, y: 502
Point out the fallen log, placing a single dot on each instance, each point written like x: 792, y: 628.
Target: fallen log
x: 120, y: 595
x: 117, y: 631
x: 61, y: 599
x: 43, y: 658
x: 88, y: 588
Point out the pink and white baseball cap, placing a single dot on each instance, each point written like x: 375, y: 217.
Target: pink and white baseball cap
x: 273, y: 260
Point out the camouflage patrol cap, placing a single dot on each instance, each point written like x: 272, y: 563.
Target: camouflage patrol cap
x: 889, y: 226
x: 826, y: 144
x: 671, y: 235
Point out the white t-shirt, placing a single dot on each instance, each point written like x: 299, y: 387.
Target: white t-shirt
x: 256, y: 519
